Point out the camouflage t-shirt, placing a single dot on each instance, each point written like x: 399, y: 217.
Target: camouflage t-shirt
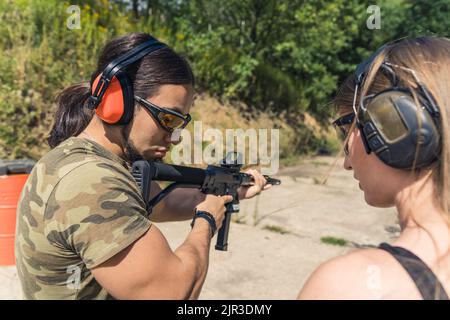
x: 79, y: 207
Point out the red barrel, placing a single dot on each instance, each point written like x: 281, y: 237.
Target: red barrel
x: 13, y: 175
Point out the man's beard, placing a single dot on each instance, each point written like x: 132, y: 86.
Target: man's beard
x: 131, y: 154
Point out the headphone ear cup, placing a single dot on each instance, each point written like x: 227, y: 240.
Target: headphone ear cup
x: 404, y: 128
x: 423, y: 137
x: 111, y: 108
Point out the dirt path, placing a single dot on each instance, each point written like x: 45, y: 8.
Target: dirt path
x: 275, y: 242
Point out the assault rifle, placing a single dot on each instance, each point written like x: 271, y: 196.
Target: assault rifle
x: 218, y: 180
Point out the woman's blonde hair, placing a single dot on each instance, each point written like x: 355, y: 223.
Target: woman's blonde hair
x: 430, y: 58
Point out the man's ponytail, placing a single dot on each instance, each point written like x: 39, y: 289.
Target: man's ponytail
x: 71, y: 116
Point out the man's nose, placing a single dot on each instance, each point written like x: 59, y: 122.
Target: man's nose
x: 173, y: 138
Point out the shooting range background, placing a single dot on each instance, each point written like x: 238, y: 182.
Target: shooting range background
x: 258, y: 64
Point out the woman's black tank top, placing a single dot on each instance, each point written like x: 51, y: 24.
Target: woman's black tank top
x: 426, y: 281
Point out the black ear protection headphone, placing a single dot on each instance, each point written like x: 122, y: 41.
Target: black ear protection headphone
x: 112, y: 91
x: 401, y: 133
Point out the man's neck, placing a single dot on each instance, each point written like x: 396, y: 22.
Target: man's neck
x: 97, y: 134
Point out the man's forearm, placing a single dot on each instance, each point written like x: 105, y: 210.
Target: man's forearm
x: 179, y: 205
x: 194, y: 253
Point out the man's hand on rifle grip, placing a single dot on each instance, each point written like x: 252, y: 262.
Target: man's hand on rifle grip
x: 216, y: 206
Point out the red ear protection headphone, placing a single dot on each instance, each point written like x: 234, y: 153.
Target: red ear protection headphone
x: 112, y: 94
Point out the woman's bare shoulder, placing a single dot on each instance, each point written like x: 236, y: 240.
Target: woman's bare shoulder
x: 359, y: 274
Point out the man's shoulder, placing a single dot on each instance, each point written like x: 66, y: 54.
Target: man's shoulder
x: 77, y: 159
x: 62, y: 159
x: 97, y: 191
x: 94, y: 176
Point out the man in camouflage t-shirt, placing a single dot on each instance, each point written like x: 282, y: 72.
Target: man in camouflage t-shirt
x: 79, y: 207
x: 82, y: 226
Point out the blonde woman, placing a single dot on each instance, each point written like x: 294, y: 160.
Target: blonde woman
x: 394, y: 112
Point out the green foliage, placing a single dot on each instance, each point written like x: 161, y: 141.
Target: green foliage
x: 273, y: 55
x: 39, y: 57
x: 417, y: 19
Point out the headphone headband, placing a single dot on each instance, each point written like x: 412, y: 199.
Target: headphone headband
x: 364, y: 67
x: 118, y: 64
x: 132, y: 56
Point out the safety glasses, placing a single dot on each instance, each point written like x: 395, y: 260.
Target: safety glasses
x: 342, y: 126
x: 168, y: 119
